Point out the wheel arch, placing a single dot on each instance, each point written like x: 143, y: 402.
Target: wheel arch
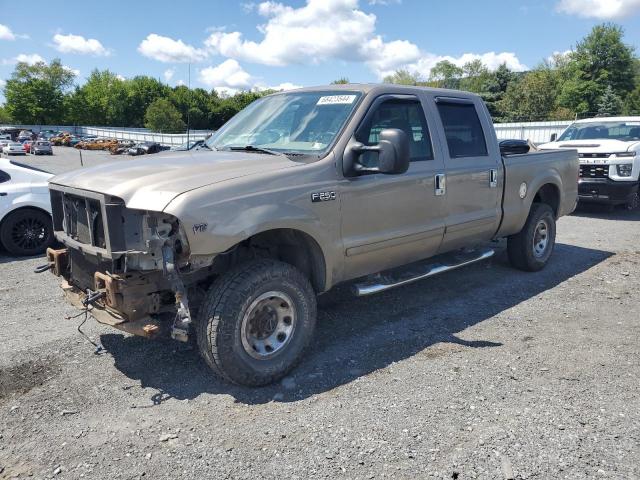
x: 289, y: 245
x: 548, y: 193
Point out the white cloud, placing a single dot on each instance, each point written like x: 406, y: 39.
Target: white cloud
x: 491, y: 60
x: 384, y: 2
x: 6, y: 33
x: 228, y: 77
x: 281, y: 87
x: 2, y: 83
x: 120, y: 77
x: 165, y: 49
x: 168, y: 74
x: 78, y: 44
x: 75, y: 71
x: 319, y: 30
x: 180, y: 82
x: 601, y: 9
x: 30, y: 58
x: 333, y: 29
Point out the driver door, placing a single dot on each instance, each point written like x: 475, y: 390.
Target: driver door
x: 391, y: 220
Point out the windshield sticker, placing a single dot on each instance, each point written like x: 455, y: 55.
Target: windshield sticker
x: 337, y: 100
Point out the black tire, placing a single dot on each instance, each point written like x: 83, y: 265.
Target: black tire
x: 633, y: 202
x: 226, y: 316
x: 524, y: 248
x: 26, y: 232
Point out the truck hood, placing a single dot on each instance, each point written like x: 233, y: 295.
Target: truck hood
x: 152, y: 181
x: 592, y: 146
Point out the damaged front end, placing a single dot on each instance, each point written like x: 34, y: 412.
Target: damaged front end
x: 129, y: 267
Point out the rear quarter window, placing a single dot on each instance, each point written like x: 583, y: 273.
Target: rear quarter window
x: 4, y: 176
x: 462, y: 127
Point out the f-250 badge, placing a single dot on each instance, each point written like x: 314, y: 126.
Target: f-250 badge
x: 200, y: 227
x: 323, y: 196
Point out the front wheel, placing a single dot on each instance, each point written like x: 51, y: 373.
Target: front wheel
x: 530, y: 249
x: 26, y: 232
x: 256, y: 321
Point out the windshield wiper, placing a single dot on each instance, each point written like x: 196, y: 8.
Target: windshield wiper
x: 253, y: 148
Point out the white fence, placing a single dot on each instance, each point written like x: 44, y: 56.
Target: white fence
x: 537, y: 132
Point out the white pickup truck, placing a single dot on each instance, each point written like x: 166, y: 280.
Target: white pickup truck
x: 609, y: 151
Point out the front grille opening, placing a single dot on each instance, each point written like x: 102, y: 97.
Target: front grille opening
x: 594, y: 171
x: 83, y: 220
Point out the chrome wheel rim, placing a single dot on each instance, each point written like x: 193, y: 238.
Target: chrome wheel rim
x: 541, y: 239
x: 268, y: 325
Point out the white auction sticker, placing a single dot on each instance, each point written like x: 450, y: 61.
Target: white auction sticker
x: 337, y: 100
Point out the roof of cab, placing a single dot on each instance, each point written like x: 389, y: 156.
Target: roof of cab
x: 380, y: 88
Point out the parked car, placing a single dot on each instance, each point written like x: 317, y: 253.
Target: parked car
x: 381, y: 184
x: 14, y: 148
x: 25, y: 209
x: 145, y: 148
x: 609, y: 151
x: 26, y: 145
x: 25, y: 135
x: 41, y: 147
x: 3, y: 143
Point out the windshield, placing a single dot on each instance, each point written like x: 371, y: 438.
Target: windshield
x: 302, y: 123
x: 601, y: 130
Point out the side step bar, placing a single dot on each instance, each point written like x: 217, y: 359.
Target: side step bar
x: 418, y: 271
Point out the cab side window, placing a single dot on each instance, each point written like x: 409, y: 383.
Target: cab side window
x: 462, y: 127
x: 405, y: 115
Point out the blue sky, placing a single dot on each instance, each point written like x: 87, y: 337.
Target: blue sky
x: 244, y: 45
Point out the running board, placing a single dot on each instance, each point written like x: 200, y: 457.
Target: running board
x: 405, y: 275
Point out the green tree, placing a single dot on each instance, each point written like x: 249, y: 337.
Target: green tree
x: 162, y: 116
x: 446, y: 74
x: 610, y: 104
x: 102, y: 100
x: 4, y: 115
x: 475, y: 77
x: 35, y: 93
x: 402, y: 77
x: 631, y: 104
x: 532, y: 98
x: 341, y: 81
x: 600, y: 60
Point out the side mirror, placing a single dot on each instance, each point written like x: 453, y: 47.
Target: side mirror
x: 393, y: 153
x: 554, y: 137
x: 514, y: 147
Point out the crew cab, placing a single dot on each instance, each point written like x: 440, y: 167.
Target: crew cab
x: 609, y: 151
x: 378, y: 185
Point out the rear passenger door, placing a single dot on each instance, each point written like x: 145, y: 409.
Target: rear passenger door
x: 472, y: 170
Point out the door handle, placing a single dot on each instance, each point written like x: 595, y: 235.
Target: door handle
x: 440, y: 184
x: 493, y: 177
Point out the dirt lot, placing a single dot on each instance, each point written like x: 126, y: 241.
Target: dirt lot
x: 485, y: 372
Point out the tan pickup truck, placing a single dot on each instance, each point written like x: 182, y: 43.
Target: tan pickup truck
x: 380, y: 185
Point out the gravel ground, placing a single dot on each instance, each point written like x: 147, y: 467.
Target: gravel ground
x: 484, y: 372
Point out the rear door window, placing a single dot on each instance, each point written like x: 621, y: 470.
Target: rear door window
x: 462, y: 127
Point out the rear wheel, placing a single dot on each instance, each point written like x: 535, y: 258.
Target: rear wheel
x: 256, y: 321
x: 26, y: 232
x: 530, y: 249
